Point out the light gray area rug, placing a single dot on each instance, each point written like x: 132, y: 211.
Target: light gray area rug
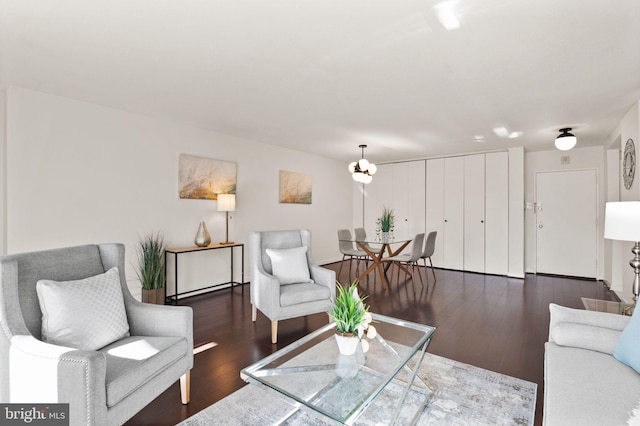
x: 464, y: 395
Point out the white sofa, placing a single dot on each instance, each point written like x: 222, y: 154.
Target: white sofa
x: 583, y: 383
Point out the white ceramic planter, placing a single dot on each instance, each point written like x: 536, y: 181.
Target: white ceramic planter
x: 347, y: 343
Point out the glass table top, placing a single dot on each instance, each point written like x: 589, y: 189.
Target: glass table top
x: 312, y: 372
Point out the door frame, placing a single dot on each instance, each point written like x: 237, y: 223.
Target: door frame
x: 599, y: 265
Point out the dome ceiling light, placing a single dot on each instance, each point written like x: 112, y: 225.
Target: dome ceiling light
x: 565, y: 140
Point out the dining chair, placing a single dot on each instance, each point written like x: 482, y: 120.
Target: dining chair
x: 429, y: 249
x: 345, y: 244
x: 409, y: 259
x: 361, y: 237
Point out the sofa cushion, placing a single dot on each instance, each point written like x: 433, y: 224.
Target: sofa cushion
x: 133, y: 361
x: 290, y: 265
x: 84, y: 314
x: 627, y: 350
x: 295, y: 294
x: 583, y: 387
x: 584, y: 336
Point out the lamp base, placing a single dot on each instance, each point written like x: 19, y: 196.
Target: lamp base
x: 226, y: 243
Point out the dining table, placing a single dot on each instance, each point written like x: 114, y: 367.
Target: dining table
x: 376, y: 249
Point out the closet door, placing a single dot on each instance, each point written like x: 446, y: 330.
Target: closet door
x: 378, y: 194
x: 408, y: 198
x: 435, y: 207
x: 400, y: 199
x: 474, y: 213
x: 416, y: 198
x: 497, y: 213
x: 453, y: 213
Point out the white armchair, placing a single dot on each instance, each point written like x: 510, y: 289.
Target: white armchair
x: 105, y: 386
x: 278, y: 298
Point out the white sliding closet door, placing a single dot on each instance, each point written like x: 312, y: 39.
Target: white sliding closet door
x: 400, y: 197
x: 497, y: 213
x: 379, y: 194
x: 435, y: 207
x: 474, y: 231
x: 453, y: 213
x: 408, y: 198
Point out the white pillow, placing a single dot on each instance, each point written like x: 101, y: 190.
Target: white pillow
x: 289, y: 266
x: 85, y: 314
x: 634, y: 419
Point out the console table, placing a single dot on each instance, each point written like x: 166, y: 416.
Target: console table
x: 177, y: 251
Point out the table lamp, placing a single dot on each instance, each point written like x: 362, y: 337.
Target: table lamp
x: 227, y: 203
x: 622, y: 222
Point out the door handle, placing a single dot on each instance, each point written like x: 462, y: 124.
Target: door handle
x: 540, y: 226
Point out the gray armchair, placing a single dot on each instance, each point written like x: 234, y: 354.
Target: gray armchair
x: 283, y: 301
x: 106, y: 386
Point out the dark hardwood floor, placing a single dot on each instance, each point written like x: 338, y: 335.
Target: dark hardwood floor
x: 493, y: 322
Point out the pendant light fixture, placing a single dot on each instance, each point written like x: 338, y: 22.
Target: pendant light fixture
x: 565, y: 140
x: 362, y: 170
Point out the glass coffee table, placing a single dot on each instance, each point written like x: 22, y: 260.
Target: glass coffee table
x: 312, y: 373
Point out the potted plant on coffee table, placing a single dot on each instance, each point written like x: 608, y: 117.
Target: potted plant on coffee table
x: 352, y: 319
x: 150, y: 270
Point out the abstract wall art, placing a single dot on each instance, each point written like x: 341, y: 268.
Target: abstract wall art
x: 205, y: 178
x: 295, y: 188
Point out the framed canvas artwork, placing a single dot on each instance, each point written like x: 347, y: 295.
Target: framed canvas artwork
x: 205, y: 178
x: 295, y: 188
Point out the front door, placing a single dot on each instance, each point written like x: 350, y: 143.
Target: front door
x: 566, y: 223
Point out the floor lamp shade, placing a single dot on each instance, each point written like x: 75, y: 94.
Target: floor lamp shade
x: 622, y: 222
x: 227, y: 203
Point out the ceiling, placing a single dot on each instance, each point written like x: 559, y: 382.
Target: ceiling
x: 324, y: 76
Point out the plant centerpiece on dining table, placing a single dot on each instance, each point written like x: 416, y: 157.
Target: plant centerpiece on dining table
x: 386, y: 222
x: 352, y: 319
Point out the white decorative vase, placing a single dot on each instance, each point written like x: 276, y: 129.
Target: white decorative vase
x: 386, y: 235
x: 347, y: 343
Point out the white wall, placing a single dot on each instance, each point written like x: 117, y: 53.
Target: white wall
x: 516, y: 212
x: 619, y: 252
x: 3, y: 170
x: 83, y: 173
x: 580, y: 158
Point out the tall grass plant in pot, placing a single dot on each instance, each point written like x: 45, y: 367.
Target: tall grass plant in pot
x: 150, y: 270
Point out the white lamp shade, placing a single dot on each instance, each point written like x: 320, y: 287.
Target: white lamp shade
x: 226, y: 202
x: 352, y: 166
x: 565, y: 143
x: 622, y: 221
x: 372, y: 168
x: 366, y: 178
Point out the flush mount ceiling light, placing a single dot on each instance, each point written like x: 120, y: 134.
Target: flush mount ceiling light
x: 565, y: 140
x: 362, y: 170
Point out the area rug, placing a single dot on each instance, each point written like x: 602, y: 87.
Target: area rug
x: 464, y: 395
